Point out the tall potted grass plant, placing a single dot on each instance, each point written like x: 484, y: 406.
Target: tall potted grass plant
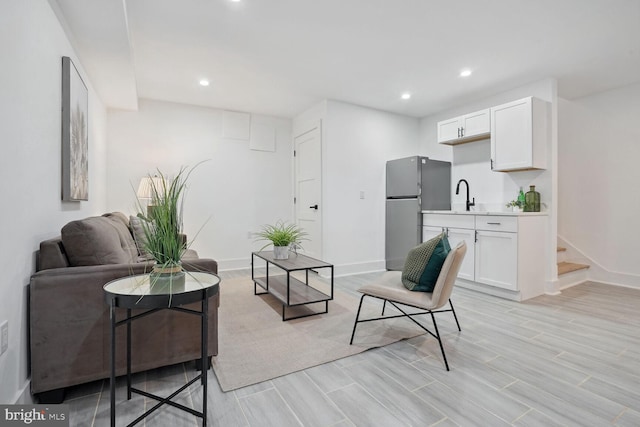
x: 165, y: 242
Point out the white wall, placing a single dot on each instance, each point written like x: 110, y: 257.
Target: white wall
x: 599, y: 148
x: 231, y: 194
x: 32, y: 43
x: 356, y: 143
x: 492, y: 190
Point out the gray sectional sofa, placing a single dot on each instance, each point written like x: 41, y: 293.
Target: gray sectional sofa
x: 69, y: 319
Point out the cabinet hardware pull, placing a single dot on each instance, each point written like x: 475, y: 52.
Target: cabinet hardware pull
x: 458, y: 132
x: 447, y: 231
x: 493, y: 223
x: 462, y: 131
x: 314, y: 207
x: 475, y: 235
x: 491, y: 164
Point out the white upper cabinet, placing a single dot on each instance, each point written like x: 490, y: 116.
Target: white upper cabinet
x: 519, y: 135
x: 467, y: 128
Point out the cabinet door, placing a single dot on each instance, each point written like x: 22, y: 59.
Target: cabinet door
x: 475, y: 124
x: 448, y: 130
x: 497, y: 259
x: 511, y: 136
x: 457, y: 235
x: 429, y: 232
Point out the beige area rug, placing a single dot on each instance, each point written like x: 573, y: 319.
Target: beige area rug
x: 255, y: 345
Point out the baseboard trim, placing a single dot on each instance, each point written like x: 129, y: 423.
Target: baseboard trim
x: 341, y: 270
x: 23, y: 395
x: 490, y: 290
x: 234, y: 264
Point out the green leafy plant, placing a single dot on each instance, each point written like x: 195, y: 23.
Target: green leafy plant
x: 163, y: 226
x: 515, y: 204
x: 281, y: 234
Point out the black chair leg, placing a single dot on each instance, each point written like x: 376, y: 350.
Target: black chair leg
x: 444, y: 356
x: 454, y: 315
x: 384, y: 304
x: 356, y: 322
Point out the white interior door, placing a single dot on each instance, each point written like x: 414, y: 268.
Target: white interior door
x: 308, y: 187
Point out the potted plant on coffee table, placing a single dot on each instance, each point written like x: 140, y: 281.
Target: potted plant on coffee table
x: 282, y: 236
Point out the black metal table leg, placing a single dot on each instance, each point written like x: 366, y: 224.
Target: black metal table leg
x: 205, y: 363
x: 112, y: 379
x: 128, y: 354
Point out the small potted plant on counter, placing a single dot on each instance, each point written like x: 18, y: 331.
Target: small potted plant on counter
x: 282, y: 236
x: 515, y: 205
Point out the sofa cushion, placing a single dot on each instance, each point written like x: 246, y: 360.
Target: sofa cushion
x: 139, y: 236
x: 98, y: 241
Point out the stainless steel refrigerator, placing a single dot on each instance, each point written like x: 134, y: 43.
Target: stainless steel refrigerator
x: 414, y: 184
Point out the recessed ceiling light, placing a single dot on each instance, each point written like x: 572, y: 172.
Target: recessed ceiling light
x: 406, y: 95
x: 236, y: 1
x: 204, y: 82
x: 465, y: 73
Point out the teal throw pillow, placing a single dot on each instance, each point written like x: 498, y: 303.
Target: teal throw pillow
x: 416, y: 262
x: 431, y: 272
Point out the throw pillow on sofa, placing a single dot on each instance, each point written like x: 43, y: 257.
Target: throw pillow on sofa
x: 137, y: 229
x: 424, y: 262
x: 99, y: 240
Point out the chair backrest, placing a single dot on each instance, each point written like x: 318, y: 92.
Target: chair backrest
x: 447, y: 278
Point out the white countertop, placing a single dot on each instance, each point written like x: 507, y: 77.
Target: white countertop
x: 500, y: 213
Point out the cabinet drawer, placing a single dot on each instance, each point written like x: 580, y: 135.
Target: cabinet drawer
x: 497, y: 223
x: 444, y: 220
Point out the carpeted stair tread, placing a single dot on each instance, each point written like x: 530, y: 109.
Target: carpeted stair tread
x: 561, y: 249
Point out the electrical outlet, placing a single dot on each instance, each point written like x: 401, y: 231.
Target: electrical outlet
x: 362, y: 194
x: 4, y: 336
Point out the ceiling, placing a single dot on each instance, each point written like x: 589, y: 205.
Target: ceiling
x: 279, y: 57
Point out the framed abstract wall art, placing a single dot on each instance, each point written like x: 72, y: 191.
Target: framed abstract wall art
x: 75, y: 134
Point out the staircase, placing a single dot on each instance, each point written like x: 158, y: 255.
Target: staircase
x: 570, y: 273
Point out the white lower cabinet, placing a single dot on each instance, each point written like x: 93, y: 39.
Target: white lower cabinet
x: 455, y: 236
x: 505, y: 253
x: 496, y: 262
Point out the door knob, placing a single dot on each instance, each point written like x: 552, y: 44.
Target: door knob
x: 314, y: 207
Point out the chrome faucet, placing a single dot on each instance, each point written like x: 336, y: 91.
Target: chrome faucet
x: 469, y: 204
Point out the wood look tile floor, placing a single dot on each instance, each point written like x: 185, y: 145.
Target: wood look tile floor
x: 567, y: 360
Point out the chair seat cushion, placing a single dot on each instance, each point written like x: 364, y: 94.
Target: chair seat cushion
x: 389, y: 286
x: 424, y: 262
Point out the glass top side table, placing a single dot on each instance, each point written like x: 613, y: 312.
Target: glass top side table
x: 141, y: 291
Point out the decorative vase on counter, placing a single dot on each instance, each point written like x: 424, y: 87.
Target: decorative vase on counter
x: 532, y: 200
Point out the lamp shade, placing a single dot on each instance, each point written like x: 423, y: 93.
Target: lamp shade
x: 147, y: 184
